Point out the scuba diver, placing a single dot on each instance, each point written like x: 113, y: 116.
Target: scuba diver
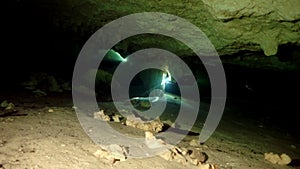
x: 166, y: 77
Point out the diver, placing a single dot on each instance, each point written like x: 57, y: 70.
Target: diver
x: 166, y: 77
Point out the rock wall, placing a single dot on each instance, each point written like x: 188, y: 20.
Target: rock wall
x: 231, y: 25
x: 266, y: 23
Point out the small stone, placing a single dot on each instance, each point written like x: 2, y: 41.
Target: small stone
x: 152, y: 142
x: 184, y: 151
x: 112, y: 152
x: 283, y: 159
x: 4, y: 104
x: 10, y: 106
x: 149, y: 135
x: 168, y: 155
x: 194, y: 161
x: 200, y: 156
x: 101, y: 116
x: 293, y: 146
x: 194, y: 143
x: 118, y: 152
x: 273, y: 158
x: 178, y: 150
x: 179, y: 158
x: 153, y: 126
x: 50, y: 110
x: 116, y: 118
x: 205, y: 146
x: 175, y: 154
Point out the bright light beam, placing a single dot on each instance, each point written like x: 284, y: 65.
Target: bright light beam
x: 115, y: 56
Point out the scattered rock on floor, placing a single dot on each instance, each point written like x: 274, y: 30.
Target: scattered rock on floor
x: 198, y: 155
x: 7, y: 105
x: 4, y: 104
x: 101, y: 116
x: 174, y: 154
x: 10, y: 106
x: 116, y: 118
x: 194, y: 143
x: 283, y: 159
x: 184, y: 156
x: 112, y: 152
x: 154, y: 126
x: 118, y: 152
x: 152, y: 141
x: 149, y: 135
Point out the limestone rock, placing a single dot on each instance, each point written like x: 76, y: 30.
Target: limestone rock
x: 10, y: 106
x: 235, y: 9
x: 267, y: 22
x: 116, y: 118
x: 152, y: 142
x: 273, y: 158
x: 118, y: 152
x: 171, y: 153
x: 179, y: 158
x: 112, y: 152
x: 4, y: 104
x: 154, y: 126
x: 101, y: 116
x: 149, y: 135
x: 283, y: 159
x: 167, y: 155
x: 194, y: 143
x: 184, y: 156
x: 174, y: 155
x: 7, y: 105
x: 199, y: 156
x: 50, y: 110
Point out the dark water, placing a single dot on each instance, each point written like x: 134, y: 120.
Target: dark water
x: 270, y: 97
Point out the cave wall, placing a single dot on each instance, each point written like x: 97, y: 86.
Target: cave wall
x: 233, y: 26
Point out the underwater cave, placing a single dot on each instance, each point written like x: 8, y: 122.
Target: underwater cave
x: 82, y: 87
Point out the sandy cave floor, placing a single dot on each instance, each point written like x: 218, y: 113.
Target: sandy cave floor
x: 36, y: 138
